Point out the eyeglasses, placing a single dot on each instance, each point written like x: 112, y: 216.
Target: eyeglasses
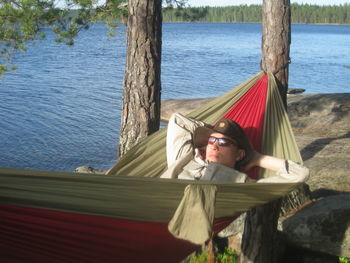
x: 221, y: 141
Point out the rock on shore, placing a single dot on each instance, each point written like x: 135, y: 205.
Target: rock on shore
x: 321, y: 124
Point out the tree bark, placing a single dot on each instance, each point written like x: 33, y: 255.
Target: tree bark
x: 276, y: 39
x: 259, y: 241
x: 142, y: 84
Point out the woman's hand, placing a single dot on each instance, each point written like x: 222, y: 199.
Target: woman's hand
x: 254, y: 161
x: 264, y: 161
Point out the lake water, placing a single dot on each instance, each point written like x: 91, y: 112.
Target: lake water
x: 61, y: 108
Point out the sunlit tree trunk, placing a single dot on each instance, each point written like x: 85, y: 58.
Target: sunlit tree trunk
x: 142, y: 85
x: 259, y: 242
x: 276, y: 39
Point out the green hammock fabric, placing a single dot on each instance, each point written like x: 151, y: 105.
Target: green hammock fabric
x: 278, y: 139
x: 135, y: 198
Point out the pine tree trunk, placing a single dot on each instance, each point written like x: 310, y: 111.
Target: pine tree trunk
x: 259, y: 241
x: 142, y: 85
x: 276, y: 39
x: 260, y: 236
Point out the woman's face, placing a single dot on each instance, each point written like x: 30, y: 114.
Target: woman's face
x: 227, y: 155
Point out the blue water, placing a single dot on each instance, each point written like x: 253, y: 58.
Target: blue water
x: 61, y: 108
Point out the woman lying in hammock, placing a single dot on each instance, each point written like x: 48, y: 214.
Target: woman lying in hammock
x: 220, y: 153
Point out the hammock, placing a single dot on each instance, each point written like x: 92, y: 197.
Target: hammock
x: 68, y: 217
x: 255, y: 104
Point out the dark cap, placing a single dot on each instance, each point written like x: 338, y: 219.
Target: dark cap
x: 228, y: 128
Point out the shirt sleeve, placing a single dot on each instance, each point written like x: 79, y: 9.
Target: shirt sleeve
x: 289, y: 172
x: 179, y: 137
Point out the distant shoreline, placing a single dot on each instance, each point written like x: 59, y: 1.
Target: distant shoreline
x: 203, y: 22
x: 300, y: 13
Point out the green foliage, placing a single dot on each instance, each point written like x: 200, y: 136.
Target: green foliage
x: 229, y: 256
x: 242, y: 13
x: 172, y: 3
x: 344, y: 260
x: 22, y: 22
x: 301, y: 13
x: 111, y: 13
x: 199, y: 258
x: 180, y: 13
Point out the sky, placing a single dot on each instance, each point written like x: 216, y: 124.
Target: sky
x: 194, y: 3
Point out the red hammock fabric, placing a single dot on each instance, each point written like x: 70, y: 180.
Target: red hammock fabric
x: 37, y: 235
x: 252, y: 120
x: 249, y: 113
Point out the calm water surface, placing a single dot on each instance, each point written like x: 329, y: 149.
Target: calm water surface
x: 61, y: 108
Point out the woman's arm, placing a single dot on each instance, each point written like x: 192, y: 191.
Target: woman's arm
x: 179, y: 137
x: 286, y: 171
x: 265, y: 161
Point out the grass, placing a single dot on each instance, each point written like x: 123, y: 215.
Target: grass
x: 229, y: 256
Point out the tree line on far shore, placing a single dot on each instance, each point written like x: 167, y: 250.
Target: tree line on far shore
x: 301, y: 13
